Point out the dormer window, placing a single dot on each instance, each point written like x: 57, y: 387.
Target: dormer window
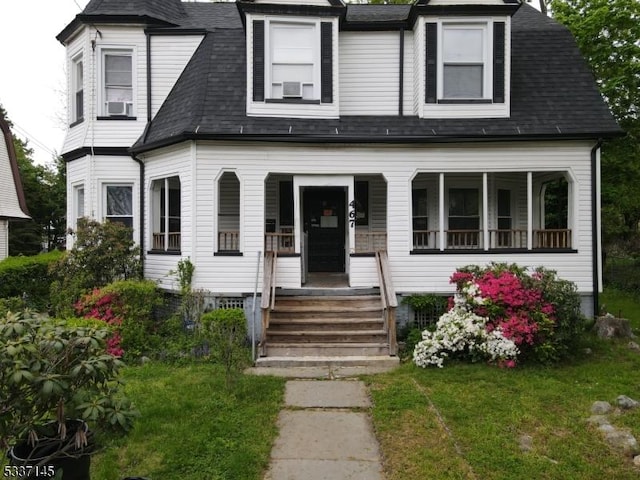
x: 292, y: 65
x: 466, y: 67
x: 293, y: 60
x: 464, y: 59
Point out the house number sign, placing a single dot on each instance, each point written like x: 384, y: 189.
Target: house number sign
x: 352, y: 213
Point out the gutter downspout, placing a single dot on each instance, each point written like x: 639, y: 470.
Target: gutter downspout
x: 595, y: 225
x: 401, y: 75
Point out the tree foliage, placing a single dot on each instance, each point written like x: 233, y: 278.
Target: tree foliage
x: 45, y: 194
x: 608, y: 34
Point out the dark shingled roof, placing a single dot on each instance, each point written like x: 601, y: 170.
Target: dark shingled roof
x: 170, y: 11
x: 553, y: 93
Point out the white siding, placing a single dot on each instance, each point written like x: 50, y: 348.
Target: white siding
x: 4, y: 239
x: 409, y: 92
x: 169, y: 162
x: 411, y: 273
x: 369, y: 73
x: 109, y: 133
x: 169, y: 56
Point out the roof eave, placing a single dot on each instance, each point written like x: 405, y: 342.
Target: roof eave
x: 390, y: 139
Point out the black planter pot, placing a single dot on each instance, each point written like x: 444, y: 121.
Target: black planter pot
x: 50, y: 454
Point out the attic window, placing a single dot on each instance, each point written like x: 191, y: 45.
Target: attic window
x: 292, y: 61
x: 465, y: 62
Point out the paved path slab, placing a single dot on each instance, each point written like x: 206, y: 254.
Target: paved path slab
x: 322, y: 437
x: 322, y: 394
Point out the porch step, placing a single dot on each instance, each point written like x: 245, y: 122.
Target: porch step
x: 331, y: 349
x: 375, y: 361
x: 326, y: 325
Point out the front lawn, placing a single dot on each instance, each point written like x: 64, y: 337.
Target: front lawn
x: 467, y: 421
x: 191, y: 427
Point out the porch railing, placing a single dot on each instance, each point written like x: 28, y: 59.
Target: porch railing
x: 552, y: 238
x: 282, y: 242
x: 268, y: 296
x: 160, y: 241
x: 229, y: 241
x: 498, y: 239
x: 371, y: 242
x: 389, y: 299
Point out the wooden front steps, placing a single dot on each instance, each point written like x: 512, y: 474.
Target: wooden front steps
x: 311, y: 328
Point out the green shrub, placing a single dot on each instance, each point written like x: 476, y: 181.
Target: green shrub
x: 102, y: 253
x: 127, y: 305
x: 28, y: 277
x: 226, y: 332
x: 12, y: 304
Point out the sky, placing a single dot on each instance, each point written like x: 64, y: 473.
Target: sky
x: 32, y: 71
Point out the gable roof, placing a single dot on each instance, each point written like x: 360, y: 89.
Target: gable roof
x: 13, y: 205
x: 553, y: 93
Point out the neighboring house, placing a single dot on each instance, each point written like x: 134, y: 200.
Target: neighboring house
x: 326, y: 132
x: 12, y: 202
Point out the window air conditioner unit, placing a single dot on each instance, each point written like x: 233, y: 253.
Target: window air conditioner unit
x: 118, y: 108
x: 292, y: 89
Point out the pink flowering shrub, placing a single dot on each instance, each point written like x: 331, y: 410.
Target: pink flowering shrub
x: 107, y: 308
x: 516, y: 315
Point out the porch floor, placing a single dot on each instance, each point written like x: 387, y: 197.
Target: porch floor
x: 326, y: 280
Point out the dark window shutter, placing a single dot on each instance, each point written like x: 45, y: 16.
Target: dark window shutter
x: 326, y: 62
x: 258, y: 60
x: 498, y: 62
x: 431, y: 61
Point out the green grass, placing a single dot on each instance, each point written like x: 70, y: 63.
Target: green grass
x: 191, y: 427
x: 464, y: 421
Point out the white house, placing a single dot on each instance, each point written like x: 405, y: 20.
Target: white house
x: 326, y: 132
x: 12, y: 202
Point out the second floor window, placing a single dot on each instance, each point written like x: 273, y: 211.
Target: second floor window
x: 118, y: 83
x: 463, y: 61
x: 77, y: 86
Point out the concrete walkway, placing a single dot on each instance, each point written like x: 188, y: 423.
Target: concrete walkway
x: 325, y: 433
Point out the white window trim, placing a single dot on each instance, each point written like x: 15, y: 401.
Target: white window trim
x: 268, y: 61
x: 75, y: 204
x: 103, y: 197
x: 486, y: 26
x: 462, y: 110
x: 102, y: 100
x: 155, y: 208
x: 76, y: 58
x: 291, y: 110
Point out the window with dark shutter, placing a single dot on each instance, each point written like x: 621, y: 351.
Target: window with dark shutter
x: 326, y: 62
x: 498, y: 62
x: 431, y: 63
x: 258, y: 60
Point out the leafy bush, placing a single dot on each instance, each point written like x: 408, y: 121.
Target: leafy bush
x: 12, y: 304
x: 52, y: 369
x: 128, y: 306
x: 28, y: 277
x: 102, y: 253
x: 226, y: 332
x: 502, y: 313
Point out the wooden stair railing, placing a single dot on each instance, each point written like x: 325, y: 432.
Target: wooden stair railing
x: 389, y: 299
x: 268, y: 296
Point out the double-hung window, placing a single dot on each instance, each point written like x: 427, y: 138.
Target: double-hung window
x: 292, y: 60
x: 293, y: 55
x: 118, y: 201
x: 117, y: 83
x: 166, y: 214
x: 464, y: 62
x: 77, y: 89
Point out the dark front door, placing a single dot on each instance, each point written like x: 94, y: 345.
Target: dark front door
x: 324, y: 223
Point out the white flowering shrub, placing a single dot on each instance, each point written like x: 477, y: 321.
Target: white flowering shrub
x: 460, y: 332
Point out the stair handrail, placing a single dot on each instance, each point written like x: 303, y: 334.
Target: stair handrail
x: 389, y: 299
x: 268, y: 299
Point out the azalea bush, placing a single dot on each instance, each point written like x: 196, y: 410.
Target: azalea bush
x: 505, y: 314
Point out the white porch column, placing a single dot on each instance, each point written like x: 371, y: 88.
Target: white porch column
x: 441, y: 232
x: 485, y: 210
x: 529, y: 210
